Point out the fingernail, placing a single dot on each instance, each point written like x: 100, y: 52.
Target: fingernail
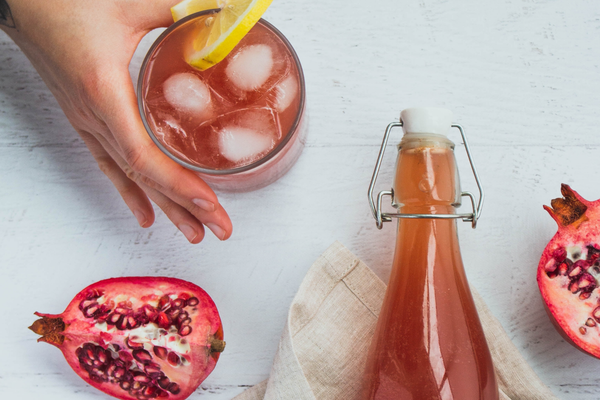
x: 204, y: 204
x: 217, y: 230
x: 141, y: 217
x: 189, y: 232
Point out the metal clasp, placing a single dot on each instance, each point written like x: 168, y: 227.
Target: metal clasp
x: 381, y: 217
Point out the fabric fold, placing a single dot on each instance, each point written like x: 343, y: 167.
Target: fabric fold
x: 324, y: 344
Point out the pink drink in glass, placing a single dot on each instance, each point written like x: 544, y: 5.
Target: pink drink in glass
x: 240, y: 124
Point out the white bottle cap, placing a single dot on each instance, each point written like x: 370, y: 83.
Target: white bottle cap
x: 426, y: 120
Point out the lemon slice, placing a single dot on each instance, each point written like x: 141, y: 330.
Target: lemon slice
x: 224, y: 30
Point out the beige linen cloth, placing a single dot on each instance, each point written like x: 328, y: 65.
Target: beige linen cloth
x: 323, y: 348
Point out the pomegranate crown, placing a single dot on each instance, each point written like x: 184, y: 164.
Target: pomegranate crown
x: 568, y: 210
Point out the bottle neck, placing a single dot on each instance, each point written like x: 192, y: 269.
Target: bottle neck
x: 426, y: 180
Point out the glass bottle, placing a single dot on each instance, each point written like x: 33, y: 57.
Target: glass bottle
x: 428, y: 343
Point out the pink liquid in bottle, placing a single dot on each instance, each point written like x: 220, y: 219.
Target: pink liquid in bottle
x: 429, y: 343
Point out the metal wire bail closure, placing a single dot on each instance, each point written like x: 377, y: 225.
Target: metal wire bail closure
x: 381, y: 217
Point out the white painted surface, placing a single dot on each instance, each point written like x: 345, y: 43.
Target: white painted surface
x: 522, y: 76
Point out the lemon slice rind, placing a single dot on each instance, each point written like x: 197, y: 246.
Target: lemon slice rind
x: 221, y: 43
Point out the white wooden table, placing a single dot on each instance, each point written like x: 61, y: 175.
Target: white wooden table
x: 523, y: 78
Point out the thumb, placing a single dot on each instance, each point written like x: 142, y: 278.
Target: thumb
x: 153, y: 14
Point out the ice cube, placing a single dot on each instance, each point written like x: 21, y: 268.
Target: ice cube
x: 171, y: 134
x: 237, y: 138
x: 285, y: 92
x: 250, y: 68
x: 239, y: 144
x: 188, y: 94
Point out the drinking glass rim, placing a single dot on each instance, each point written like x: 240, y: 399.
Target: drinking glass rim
x: 293, y: 129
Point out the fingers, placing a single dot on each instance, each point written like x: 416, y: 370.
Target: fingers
x: 132, y: 194
x: 145, y: 164
x: 189, y: 223
x: 191, y: 228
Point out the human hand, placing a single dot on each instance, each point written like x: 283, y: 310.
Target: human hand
x: 82, y: 50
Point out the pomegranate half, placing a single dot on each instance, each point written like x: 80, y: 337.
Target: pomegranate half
x: 138, y: 337
x: 569, y: 270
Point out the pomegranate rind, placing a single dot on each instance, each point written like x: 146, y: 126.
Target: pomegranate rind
x: 197, y: 362
x: 568, y: 311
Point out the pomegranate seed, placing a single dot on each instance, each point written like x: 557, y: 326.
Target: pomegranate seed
x: 94, y: 294
x: 118, y: 362
x: 119, y: 372
x: 163, y: 382
x: 161, y: 393
x: 132, y: 323
x: 163, y: 320
x: 142, y: 319
x: 590, y: 322
x: 103, y: 311
x: 89, y: 311
x: 113, y: 318
x: 593, y: 252
x: 86, y: 303
x: 576, y: 269
x: 90, y: 353
x: 148, y: 309
x: 174, y: 388
x: 185, y: 296
x: 122, y: 310
x: 125, y: 355
x: 125, y: 385
x: 110, y: 371
x: 564, y: 266
x: 121, y: 323
x: 150, y: 391
x: 186, y: 321
x: 179, y: 303
x: 551, y: 268
x: 182, y: 316
x: 596, y: 314
x: 142, y: 356
x: 161, y: 352
x: 560, y: 254
x: 185, y: 330
x: 155, y: 375
x: 102, y: 356
x: 192, y: 301
x: 137, y: 385
x: 173, y: 359
x: 132, y: 344
x: 587, y: 281
x: 151, y: 365
x: 573, y: 287
x: 585, y: 295
x: 163, y: 302
x: 141, y: 377
x: 582, y: 330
